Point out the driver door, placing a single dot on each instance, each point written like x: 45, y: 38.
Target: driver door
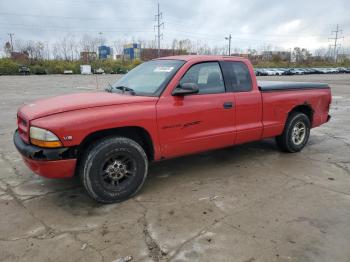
x: 197, y: 122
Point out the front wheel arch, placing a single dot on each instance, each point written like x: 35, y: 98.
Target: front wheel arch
x: 136, y: 133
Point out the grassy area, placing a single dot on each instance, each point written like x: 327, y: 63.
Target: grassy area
x: 10, y: 67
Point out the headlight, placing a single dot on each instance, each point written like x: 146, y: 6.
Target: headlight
x: 43, y: 138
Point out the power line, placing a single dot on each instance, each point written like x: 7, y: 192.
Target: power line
x: 159, y: 17
x: 73, y: 30
x: 129, y: 19
x: 337, y: 31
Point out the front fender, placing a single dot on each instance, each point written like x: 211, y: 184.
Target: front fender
x: 73, y: 126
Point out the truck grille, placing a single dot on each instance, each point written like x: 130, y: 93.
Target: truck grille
x: 23, y: 128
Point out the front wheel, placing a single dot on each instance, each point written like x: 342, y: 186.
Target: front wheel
x: 296, y: 133
x: 114, y: 169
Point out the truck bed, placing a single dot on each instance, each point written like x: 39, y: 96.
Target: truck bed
x: 268, y: 86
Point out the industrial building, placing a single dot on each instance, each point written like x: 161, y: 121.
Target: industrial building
x: 105, y: 52
x: 87, y: 57
x: 134, y: 51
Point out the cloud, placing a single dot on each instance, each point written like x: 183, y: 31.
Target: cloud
x: 289, y: 27
x: 254, y: 23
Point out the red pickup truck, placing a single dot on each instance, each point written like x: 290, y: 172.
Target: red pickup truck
x: 163, y: 108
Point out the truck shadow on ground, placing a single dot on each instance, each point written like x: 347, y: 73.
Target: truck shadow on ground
x: 230, y: 155
x: 77, y: 202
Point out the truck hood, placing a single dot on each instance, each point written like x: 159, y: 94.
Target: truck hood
x: 65, y: 103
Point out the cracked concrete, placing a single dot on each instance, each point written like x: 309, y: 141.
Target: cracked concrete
x: 245, y: 203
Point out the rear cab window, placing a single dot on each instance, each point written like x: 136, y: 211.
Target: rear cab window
x: 237, y: 76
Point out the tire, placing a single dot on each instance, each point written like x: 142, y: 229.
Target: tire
x: 291, y: 141
x: 113, y: 169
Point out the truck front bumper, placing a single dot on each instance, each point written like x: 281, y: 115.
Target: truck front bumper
x: 47, y: 162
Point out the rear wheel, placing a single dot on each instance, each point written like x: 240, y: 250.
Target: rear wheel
x: 114, y: 169
x: 296, y: 133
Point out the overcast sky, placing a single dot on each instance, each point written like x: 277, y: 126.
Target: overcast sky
x: 253, y: 24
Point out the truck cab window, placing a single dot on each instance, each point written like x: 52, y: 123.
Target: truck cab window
x: 238, y: 76
x: 207, y: 76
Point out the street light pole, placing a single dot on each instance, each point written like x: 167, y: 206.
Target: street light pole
x: 229, y: 44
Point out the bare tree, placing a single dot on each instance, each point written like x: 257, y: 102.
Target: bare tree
x: 34, y: 49
x: 89, y: 44
x: 301, y: 54
x: 66, y: 48
x: 119, y: 46
x: 61, y: 49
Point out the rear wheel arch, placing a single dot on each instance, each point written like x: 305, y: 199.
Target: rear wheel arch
x: 305, y: 109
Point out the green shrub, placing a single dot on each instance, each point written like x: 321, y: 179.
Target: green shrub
x: 8, y: 67
x: 38, y: 70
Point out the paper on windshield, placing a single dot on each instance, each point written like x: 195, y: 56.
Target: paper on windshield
x: 166, y: 69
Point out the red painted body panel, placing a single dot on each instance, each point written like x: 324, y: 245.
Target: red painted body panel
x: 65, y: 103
x: 176, y: 125
x: 248, y: 109
x: 194, y: 123
x: 277, y: 105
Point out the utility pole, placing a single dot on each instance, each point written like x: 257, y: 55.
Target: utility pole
x: 229, y: 44
x: 160, y: 24
x: 336, y: 38
x: 100, y: 33
x: 99, y: 48
x: 11, y: 35
x: 48, y: 50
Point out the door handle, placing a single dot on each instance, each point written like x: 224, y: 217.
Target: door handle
x: 228, y: 105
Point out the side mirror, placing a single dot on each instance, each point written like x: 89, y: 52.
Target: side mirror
x: 185, y: 89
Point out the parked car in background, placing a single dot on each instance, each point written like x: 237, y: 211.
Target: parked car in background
x: 296, y: 71
x: 99, y: 71
x: 278, y: 72
x: 320, y: 70
x: 300, y: 71
x: 311, y: 70
x: 305, y: 70
x: 287, y: 71
x: 260, y: 72
x: 24, y: 70
x: 343, y: 70
x: 269, y: 71
x: 333, y: 70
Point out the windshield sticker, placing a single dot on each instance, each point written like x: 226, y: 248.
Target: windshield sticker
x: 166, y: 69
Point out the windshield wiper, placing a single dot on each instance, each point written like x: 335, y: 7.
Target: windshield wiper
x: 122, y: 88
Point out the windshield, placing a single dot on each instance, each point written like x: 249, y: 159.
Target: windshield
x: 148, y: 78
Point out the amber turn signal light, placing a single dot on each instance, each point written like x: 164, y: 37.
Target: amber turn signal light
x: 47, y: 144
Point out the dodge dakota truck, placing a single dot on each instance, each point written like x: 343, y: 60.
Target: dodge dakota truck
x: 162, y: 109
